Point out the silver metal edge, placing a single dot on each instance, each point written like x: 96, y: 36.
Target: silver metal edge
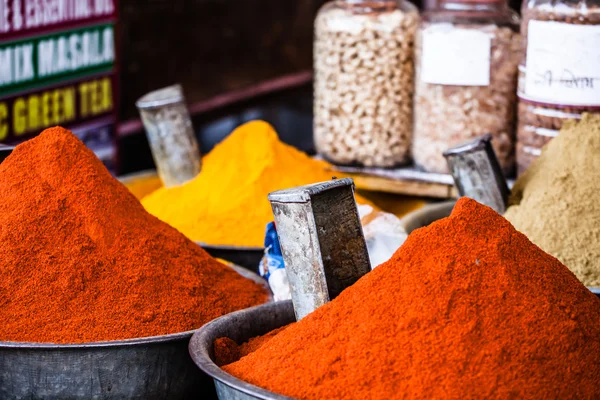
x: 228, y: 247
x: 301, y: 194
x: 431, y: 211
x: 144, y: 104
x: 200, y: 355
x: 128, y: 178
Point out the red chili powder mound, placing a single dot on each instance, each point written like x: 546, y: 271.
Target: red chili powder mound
x: 82, y: 261
x: 467, y: 308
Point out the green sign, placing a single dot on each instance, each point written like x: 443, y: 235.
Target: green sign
x: 56, y: 58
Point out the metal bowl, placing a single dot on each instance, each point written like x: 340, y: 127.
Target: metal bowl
x: 239, y: 326
x: 149, y: 368
x: 426, y: 215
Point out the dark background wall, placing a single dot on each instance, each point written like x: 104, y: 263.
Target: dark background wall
x: 211, y: 46
x: 222, y: 52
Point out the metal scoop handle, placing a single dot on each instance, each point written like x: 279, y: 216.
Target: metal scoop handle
x: 322, y: 241
x: 477, y: 173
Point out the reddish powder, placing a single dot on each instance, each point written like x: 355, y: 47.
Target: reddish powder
x: 467, y: 308
x: 228, y: 351
x: 82, y: 261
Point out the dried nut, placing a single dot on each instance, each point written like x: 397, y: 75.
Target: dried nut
x: 446, y: 116
x: 364, y: 86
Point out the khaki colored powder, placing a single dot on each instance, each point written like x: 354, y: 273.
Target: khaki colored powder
x: 555, y: 202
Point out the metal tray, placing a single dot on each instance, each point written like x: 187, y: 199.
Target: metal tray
x: 239, y: 326
x: 149, y: 368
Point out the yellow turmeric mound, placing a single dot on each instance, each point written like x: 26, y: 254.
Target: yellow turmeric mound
x: 226, y: 204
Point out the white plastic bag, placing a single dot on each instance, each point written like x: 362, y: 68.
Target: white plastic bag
x: 383, y: 234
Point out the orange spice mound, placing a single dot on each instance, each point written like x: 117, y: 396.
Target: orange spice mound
x: 228, y: 351
x: 82, y: 261
x: 467, y: 308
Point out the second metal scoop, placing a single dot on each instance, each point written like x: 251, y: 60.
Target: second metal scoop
x: 477, y: 173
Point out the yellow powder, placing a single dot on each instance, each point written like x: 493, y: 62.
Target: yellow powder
x: 226, y: 204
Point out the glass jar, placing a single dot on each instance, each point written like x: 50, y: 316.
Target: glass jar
x: 559, y: 77
x: 467, y: 57
x: 363, y: 86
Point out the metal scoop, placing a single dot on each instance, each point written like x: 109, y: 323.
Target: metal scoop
x: 477, y: 173
x: 171, y: 135
x: 322, y: 241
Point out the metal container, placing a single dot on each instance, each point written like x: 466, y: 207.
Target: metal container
x: 322, y: 242
x: 426, y: 215
x: 247, y: 257
x: 170, y: 135
x: 157, y: 367
x: 239, y: 326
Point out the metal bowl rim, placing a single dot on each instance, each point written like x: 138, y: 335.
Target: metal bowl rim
x: 103, y: 344
x: 171, y: 337
x: 229, y: 247
x: 208, y: 366
x: 427, y: 209
x: 145, y: 173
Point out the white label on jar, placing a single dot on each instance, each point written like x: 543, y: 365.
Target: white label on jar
x: 563, y: 63
x: 455, y: 56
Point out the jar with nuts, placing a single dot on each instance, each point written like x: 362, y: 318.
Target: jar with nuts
x: 467, y: 57
x: 363, y: 62
x: 559, y: 78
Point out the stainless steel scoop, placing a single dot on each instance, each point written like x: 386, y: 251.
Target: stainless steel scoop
x: 321, y: 239
x: 477, y: 173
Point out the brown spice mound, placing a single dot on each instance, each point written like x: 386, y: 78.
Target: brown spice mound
x: 82, y: 261
x: 467, y: 308
x: 555, y: 201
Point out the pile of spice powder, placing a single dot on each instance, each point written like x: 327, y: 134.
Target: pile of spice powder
x: 467, y: 308
x: 82, y: 261
x: 226, y: 204
x: 555, y: 201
